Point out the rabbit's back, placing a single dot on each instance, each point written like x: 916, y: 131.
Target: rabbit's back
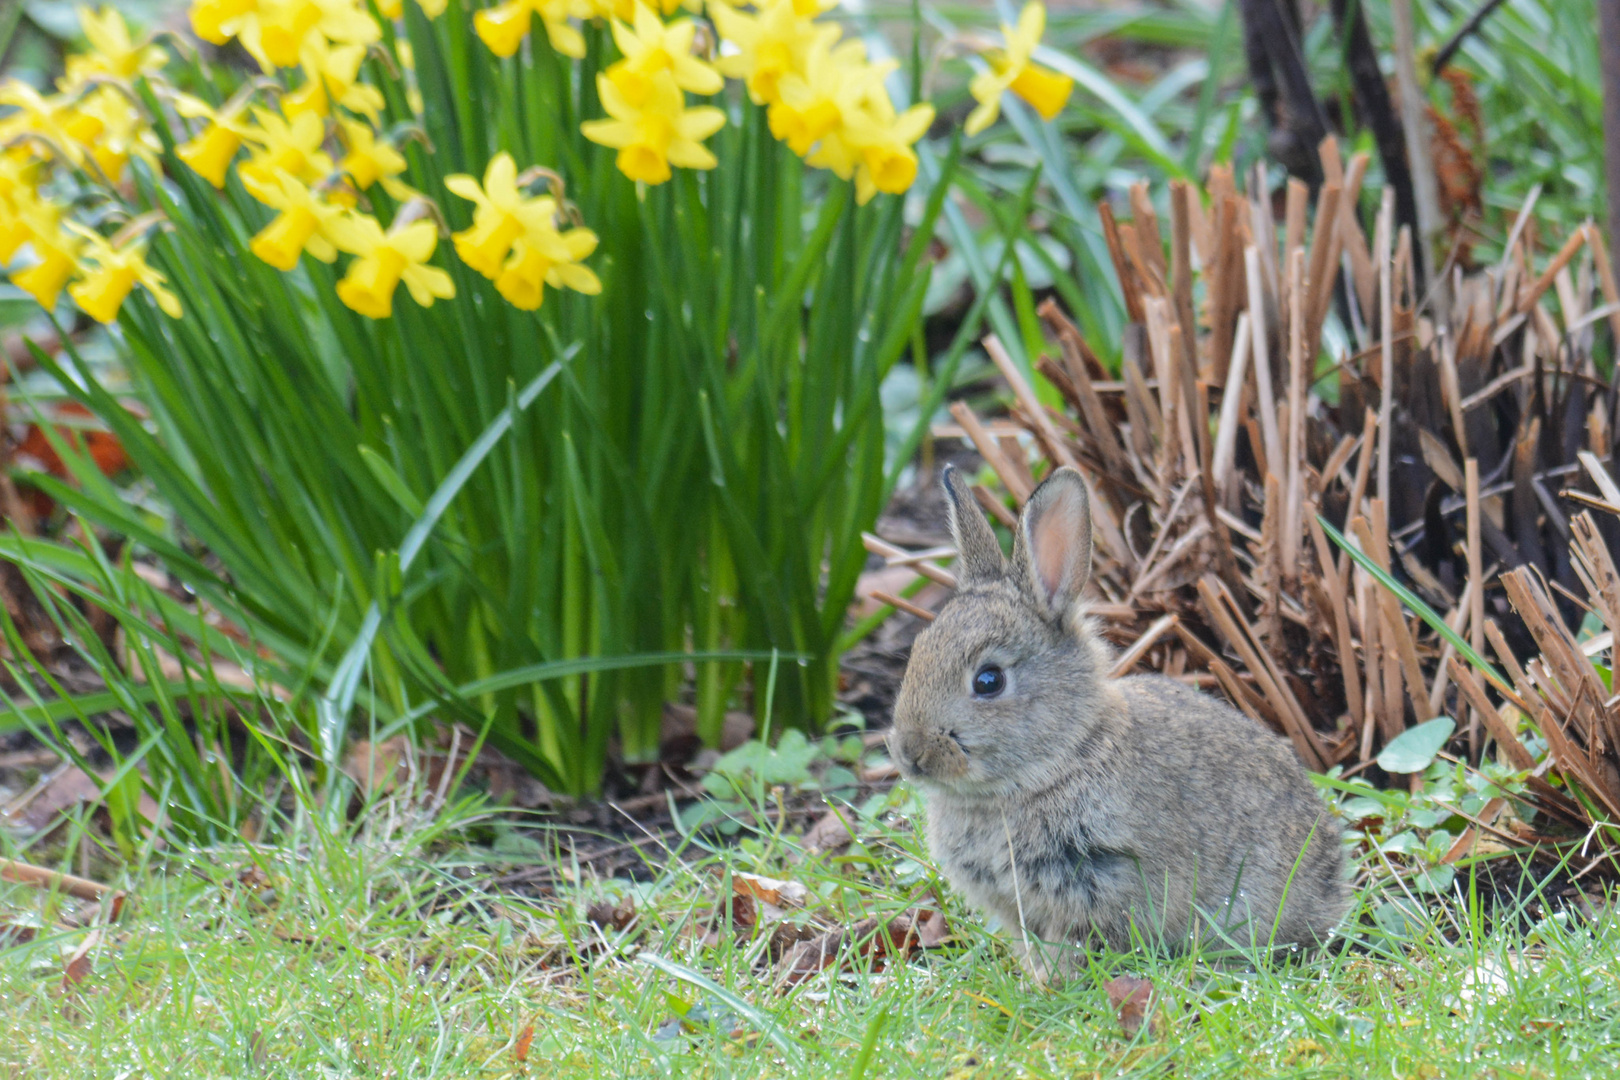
x: 1263, y: 829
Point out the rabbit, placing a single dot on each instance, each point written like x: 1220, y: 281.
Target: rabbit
x: 1083, y: 810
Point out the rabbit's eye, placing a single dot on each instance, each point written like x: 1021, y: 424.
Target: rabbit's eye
x: 989, y: 681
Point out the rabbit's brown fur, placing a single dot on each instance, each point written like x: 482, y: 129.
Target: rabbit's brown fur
x: 1081, y: 809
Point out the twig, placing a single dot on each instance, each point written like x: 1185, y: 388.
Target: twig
x: 1450, y: 48
x: 28, y: 874
x: 1139, y: 648
x: 902, y: 604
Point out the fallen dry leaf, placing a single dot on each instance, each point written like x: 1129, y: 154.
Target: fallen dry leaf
x: 740, y: 910
x: 770, y: 890
x: 104, y: 448
x: 932, y: 929
x: 878, y: 941
x: 1131, y: 998
x: 520, y: 1048
x: 258, y: 1047
x: 79, y: 965
x: 678, y: 738
x: 785, y: 936
x: 605, y: 913
x: 376, y: 766
x: 16, y: 933
x: 829, y: 833
x: 38, y: 807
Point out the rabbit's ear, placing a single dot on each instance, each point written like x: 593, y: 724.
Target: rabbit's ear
x: 1052, y: 550
x: 978, y: 554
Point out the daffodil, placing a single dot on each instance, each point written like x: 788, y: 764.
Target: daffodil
x: 548, y: 257
x: 624, y: 10
x: 292, y: 146
x: 112, y: 273
x: 650, y: 47
x: 210, y: 154
x: 502, y: 214
x: 332, y: 73
x: 217, y: 21
x: 771, y: 45
x: 502, y: 28
x: 115, y: 131
x: 395, y: 9
x: 56, y: 260
x: 18, y: 211
x: 304, y: 223
x: 113, y: 53
x: 884, y: 141
x: 25, y: 217
x: 276, y: 34
x: 383, y: 260
x: 53, y: 119
x: 1011, y: 69
x: 811, y: 106
x: 514, y: 240
x: 659, y: 133
x: 370, y: 160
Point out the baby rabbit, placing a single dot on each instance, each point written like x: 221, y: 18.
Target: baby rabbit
x: 1082, y: 809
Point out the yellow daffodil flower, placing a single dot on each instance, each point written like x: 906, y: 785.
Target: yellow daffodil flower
x: 502, y: 28
x: 514, y: 240
x: 279, y: 30
x: 113, y: 273
x: 370, y: 161
x: 331, y: 74
x: 289, y: 146
x: 120, y: 131
x: 210, y: 154
x: 770, y: 45
x: 1011, y: 69
x: 548, y: 257
x: 49, y: 118
x: 303, y: 224
x: 659, y: 133
x: 23, y: 214
x: 838, y: 116
x: 383, y: 260
x: 502, y: 214
x: 17, y: 213
x: 113, y: 53
x: 56, y: 255
x: 650, y: 47
x: 887, y: 163
x: 623, y: 10
x: 395, y: 9
x: 217, y: 21
x: 811, y: 106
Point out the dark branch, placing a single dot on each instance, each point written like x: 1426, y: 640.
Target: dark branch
x: 1443, y: 57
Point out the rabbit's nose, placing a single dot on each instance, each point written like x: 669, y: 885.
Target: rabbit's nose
x: 903, y: 756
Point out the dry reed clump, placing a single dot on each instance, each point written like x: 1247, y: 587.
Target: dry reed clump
x: 1442, y: 439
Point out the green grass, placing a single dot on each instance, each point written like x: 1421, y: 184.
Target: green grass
x: 386, y: 954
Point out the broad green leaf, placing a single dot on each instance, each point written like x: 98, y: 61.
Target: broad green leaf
x: 1414, y: 749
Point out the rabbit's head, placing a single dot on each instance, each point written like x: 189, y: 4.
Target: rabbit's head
x: 1009, y: 675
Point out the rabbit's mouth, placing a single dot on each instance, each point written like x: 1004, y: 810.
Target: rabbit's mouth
x: 938, y: 756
